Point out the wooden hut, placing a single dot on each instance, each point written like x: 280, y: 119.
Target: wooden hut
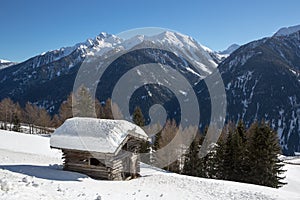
x: 100, y: 148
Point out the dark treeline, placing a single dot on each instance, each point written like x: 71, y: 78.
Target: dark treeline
x: 242, y: 155
x: 249, y: 156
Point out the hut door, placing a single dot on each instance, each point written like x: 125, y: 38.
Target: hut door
x: 133, y: 166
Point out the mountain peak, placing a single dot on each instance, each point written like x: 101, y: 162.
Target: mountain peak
x: 287, y: 31
x: 104, y: 35
x: 4, y: 61
x: 230, y: 49
x: 171, y: 37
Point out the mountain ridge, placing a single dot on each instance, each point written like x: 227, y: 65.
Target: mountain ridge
x: 6, y: 63
x: 287, y: 31
x: 65, y: 62
x: 262, y: 83
x: 261, y: 78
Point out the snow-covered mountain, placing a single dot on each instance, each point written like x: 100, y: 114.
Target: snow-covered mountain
x: 287, y: 31
x: 216, y: 56
x: 33, y: 79
x: 219, y: 56
x: 6, y: 63
x: 229, y: 50
x: 105, y: 42
x: 262, y: 78
x: 31, y: 170
x: 262, y: 81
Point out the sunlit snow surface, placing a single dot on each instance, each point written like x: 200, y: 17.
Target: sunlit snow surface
x: 29, y: 169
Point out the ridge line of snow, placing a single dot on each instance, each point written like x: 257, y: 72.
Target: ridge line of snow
x: 286, y: 31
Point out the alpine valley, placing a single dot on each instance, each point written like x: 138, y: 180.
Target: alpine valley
x: 261, y: 78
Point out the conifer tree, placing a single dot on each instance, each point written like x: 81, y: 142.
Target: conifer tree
x: 211, y: 162
x: 157, y: 138
x: 219, y: 158
x: 139, y: 120
x: 233, y: 154
x: 192, y: 160
x: 203, y: 159
x: 241, y: 131
x: 264, y: 148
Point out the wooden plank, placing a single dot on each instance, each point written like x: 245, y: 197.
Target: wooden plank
x: 114, y: 166
x: 88, y: 167
x: 98, y: 155
x: 94, y: 174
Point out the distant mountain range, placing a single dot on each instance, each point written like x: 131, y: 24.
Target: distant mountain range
x: 229, y: 50
x: 262, y: 78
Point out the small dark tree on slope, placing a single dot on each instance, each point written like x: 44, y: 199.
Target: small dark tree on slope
x: 16, y: 124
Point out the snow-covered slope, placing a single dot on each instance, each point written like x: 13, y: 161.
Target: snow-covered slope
x: 6, y: 63
x: 179, y: 44
x: 216, y: 56
x: 219, y: 56
x: 190, y: 47
x: 229, y: 50
x: 287, y: 31
x: 29, y: 169
x: 105, y: 42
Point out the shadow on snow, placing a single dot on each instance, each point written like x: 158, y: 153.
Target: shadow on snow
x: 44, y: 172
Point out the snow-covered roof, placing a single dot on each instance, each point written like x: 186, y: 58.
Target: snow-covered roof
x: 96, y: 135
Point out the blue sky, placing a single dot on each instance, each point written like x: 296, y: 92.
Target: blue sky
x: 30, y: 27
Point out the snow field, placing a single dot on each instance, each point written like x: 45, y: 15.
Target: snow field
x: 29, y: 169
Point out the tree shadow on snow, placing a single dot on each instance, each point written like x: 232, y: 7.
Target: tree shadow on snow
x: 44, y: 172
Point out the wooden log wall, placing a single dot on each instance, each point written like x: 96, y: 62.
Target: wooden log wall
x: 111, y: 167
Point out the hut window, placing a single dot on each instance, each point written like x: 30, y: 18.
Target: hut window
x: 94, y: 161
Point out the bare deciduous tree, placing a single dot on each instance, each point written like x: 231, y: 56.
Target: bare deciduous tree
x: 7, y: 108
x: 30, y: 115
x: 65, y: 110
